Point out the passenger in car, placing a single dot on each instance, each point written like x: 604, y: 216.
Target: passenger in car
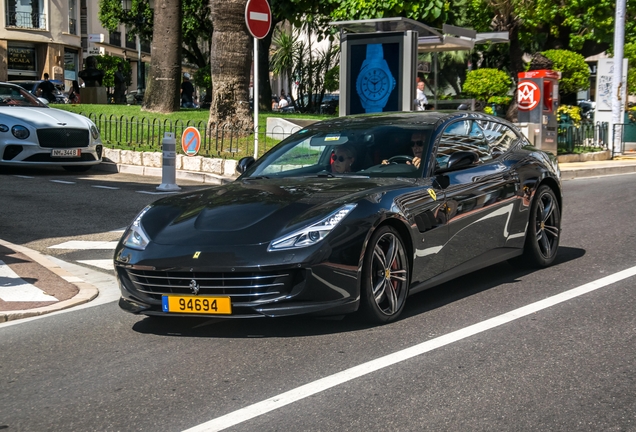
x: 344, y: 156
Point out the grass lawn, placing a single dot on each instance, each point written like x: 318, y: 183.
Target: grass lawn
x: 127, y: 127
x: 184, y: 115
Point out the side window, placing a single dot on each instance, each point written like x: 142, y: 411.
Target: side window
x: 499, y: 136
x: 464, y: 135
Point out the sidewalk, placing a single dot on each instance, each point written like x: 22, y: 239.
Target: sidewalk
x: 619, y: 165
x: 31, y: 285
x: 49, y: 288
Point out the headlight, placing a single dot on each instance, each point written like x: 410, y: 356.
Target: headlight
x: 94, y: 132
x: 4, y: 128
x: 136, y: 237
x: 20, y: 132
x: 314, y: 233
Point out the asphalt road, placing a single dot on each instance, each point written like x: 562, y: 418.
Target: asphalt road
x: 562, y: 367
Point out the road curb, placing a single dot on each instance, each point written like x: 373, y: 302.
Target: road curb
x: 197, y: 176
x: 87, y: 292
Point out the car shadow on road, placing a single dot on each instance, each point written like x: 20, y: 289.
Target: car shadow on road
x: 304, y: 326
x: 478, y: 281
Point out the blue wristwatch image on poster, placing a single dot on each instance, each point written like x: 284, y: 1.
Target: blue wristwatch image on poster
x: 375, y: 82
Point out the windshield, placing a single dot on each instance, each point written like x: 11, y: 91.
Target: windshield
x: 322, y: 150
x: 17, y: 96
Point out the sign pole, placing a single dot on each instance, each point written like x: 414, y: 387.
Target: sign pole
x: 255, y: 98
x: 258, y: 18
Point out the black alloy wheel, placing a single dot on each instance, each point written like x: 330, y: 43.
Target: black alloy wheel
x: 385, y: 276
x: 544, y: 230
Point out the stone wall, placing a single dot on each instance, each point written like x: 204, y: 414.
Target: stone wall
x: 197, y: 168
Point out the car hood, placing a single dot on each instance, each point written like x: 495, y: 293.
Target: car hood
x: 248, y: 212
x: 44, y: 117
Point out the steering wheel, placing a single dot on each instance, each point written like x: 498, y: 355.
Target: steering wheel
x: 400, y: 159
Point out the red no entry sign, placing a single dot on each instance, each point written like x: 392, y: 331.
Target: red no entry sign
x: 258, y: 17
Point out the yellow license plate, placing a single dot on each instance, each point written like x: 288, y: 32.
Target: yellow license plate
x: 196, y: 304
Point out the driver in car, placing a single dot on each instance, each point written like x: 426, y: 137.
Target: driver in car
x: 417, y: 146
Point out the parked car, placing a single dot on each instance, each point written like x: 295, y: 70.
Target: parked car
x: 33, y: 134
x: 587, y: 109
x: 354, y: 213
x: 32, y: 87
x: 325, y: 105
x: 133, y: 98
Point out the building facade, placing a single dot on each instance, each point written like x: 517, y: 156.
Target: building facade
x: 54, y: 37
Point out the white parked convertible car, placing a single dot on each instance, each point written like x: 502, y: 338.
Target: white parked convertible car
x: 33, y: 134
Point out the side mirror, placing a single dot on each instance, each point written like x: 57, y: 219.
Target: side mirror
x: 244, y: 164
x: 462, y: 159
x: 43, y: 100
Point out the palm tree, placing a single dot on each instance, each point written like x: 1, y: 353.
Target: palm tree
x: 231, y: 61
x: 165, y: 67
x: 283, y: 55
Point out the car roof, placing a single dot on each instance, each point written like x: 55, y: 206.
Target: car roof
x: 394, y: 118
x: 24, y: 81
x: 14, y: 83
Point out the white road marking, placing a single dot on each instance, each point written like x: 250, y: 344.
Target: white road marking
x: 86, y: 245
x: 105, y: 187
x: 120, y: 230
x: 299, y: 393
x: 156, y: 193
x: 23, y: 176
x: 15, y: 289
x: 62, y: 181
x: 106, y: 283
x: 106, y: 264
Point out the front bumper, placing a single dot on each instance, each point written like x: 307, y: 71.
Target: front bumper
x: 29, y: 154
x: 311, y: 284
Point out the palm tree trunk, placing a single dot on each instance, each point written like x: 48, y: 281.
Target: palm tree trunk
x: 162, y: 92
x: 231, y: 60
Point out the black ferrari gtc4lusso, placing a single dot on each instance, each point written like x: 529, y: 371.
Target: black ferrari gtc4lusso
x: 354, y: 213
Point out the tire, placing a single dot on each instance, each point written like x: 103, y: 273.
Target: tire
x: 385, y: 277
x: 544, y: 231
x: 77, y: 168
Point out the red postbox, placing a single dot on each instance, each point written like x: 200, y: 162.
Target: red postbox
x: 537, y: 103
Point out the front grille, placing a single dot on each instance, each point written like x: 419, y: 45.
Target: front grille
x: 241, y: 287
x: 63, y: 138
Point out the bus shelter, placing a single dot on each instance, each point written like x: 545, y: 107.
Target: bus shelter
x: 379, y: 60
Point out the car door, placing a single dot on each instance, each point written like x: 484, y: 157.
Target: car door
x: 480, y: 198
x: 424, y: 207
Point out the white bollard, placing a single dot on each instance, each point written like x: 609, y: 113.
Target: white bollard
x: 169, y: 166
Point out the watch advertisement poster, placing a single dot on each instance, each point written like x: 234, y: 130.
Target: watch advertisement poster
x: 374, y: 74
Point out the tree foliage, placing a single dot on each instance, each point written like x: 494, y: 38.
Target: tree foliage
x: 138, y: 19
x: 575, y: 74
x: 485, y: 83
x: 108, y: 64
x: 630, y: 55
x: 432, y: 12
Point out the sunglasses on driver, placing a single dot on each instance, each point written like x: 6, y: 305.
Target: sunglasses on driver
x: 419, y: 143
